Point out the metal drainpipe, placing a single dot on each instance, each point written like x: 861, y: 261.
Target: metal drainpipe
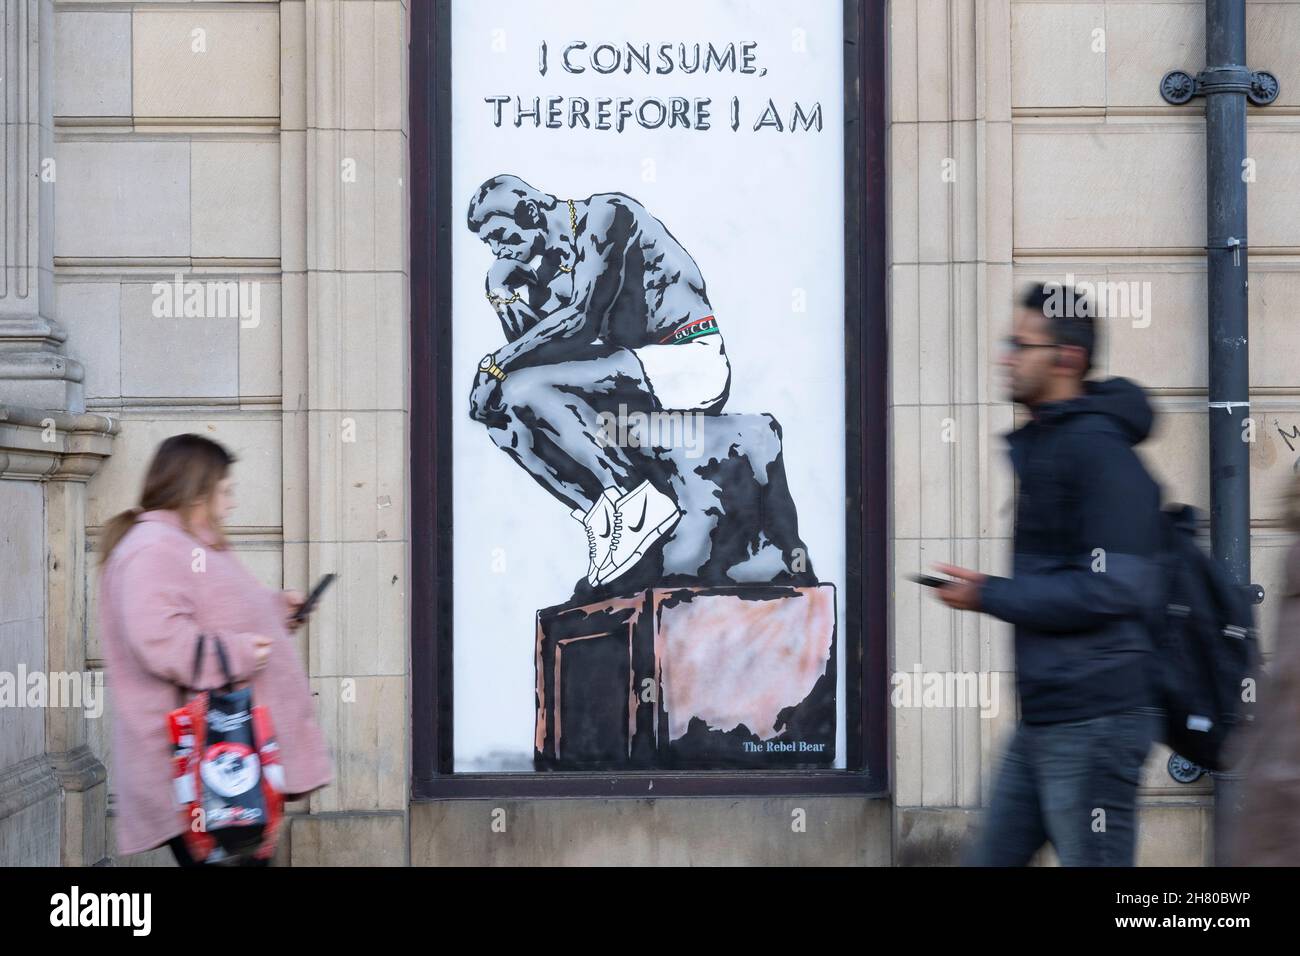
x: 1226, y: 84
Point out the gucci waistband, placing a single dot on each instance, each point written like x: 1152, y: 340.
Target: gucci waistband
x: 691, y: 330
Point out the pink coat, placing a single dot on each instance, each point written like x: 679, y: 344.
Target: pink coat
x: 1267, y: 825
x: 160, y: 589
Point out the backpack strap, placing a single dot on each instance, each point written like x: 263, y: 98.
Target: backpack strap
x: 1182, y: 517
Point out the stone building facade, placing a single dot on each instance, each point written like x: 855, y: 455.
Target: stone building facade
x: 267, y: 144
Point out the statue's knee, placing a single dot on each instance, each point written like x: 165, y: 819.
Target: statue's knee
x: 525, y: 388
x: 504, y: 432
x: 516, y: 400
x: 484, y: 414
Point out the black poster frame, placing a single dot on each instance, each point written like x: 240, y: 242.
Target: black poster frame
x: 433, y: 218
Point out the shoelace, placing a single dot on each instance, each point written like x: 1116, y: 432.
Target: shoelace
x: 591, y: 543
x: 618, y: 529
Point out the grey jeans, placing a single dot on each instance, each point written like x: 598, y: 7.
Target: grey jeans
x: 1072, y: 783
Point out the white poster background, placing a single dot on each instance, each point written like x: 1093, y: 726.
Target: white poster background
x: 760, y: 212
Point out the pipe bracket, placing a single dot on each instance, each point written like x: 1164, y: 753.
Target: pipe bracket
x: 1177, y: 87
x: 1263, y: 88
x: 1182, y: 769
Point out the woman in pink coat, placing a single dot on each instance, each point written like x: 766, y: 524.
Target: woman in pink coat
x: 1266, y: 824
x: 167, y: 577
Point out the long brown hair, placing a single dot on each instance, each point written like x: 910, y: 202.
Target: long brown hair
x: 185, y: 470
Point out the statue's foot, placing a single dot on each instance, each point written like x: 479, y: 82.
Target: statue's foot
x: 642, y: 516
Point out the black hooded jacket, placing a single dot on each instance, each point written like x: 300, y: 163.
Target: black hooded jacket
x: 1085, y: 579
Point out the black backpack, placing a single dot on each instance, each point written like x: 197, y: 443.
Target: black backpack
x: 1207, y: 654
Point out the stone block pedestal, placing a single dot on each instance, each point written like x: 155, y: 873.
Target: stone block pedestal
x: 688, y: 678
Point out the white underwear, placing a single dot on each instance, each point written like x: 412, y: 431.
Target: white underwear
x: 692, y: 375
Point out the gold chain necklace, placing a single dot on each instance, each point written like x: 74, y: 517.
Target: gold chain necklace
x: 497, y: 301
x: 573, y: 234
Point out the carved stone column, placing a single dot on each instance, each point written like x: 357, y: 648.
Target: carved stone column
x: 34, y: 371
x: 53, y: 789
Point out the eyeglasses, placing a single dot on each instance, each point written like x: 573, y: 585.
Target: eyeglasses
x: 1013, y: 344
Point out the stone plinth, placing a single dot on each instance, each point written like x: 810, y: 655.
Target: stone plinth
x: 695, y: 677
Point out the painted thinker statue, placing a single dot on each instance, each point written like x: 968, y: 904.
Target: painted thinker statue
x: 606, y: 314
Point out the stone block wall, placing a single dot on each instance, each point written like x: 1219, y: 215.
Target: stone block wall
x: 1064, y: 160
x: 259, y: 143
x: 266, y: 143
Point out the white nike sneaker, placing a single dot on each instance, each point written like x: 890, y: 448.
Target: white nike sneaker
x: 643, y: 516
x: 600, y: 523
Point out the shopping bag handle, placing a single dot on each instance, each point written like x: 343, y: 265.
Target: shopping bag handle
x: 225, y: 665
x: 198, y: 661
x: 221, y: 657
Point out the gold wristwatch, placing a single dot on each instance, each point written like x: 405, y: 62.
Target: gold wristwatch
x: 490, y: 366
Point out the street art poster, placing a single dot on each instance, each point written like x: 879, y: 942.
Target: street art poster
x: 648, y: 375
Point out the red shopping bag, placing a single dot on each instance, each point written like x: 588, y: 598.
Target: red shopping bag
x: 228, y: 780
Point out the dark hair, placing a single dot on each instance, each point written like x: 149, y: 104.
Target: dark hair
x: 507, y: 195
x: 185, y: 470
x: 1069, y: 314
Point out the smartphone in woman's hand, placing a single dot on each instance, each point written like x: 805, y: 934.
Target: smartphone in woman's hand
x: 309, y: 605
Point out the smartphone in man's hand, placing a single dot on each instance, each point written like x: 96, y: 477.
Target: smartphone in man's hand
x: 930, y: 581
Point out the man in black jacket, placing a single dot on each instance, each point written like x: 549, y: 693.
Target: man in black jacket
x: 1081, y: 598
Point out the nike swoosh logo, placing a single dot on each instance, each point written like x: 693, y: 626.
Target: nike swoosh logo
x: 640, y: 521
x: 605, y: 533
